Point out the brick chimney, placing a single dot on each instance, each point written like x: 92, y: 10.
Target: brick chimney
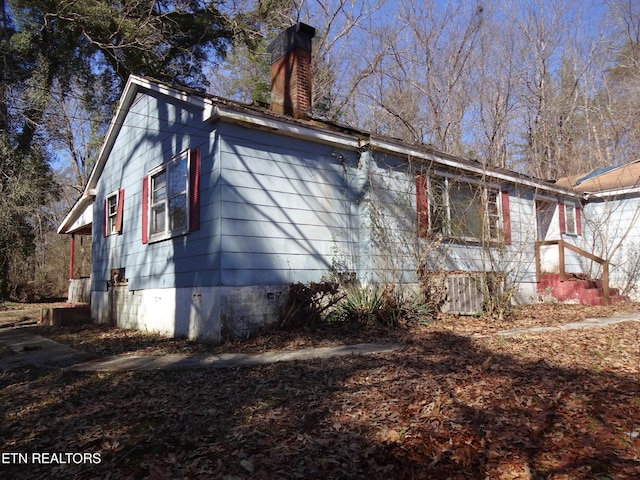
x: 291, y: 70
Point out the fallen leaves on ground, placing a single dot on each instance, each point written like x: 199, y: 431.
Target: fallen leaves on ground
x: 552, y: 405
x: 106, y: 340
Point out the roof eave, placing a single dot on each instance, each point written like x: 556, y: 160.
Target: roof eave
x: 134, y: 83
x: 426, y: 153
x: 212, y: 110
x: 618, y: 192
x: 87, y: 199
x: 283, y: 126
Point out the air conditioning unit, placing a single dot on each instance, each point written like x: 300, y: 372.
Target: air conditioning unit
x: 464, y: 294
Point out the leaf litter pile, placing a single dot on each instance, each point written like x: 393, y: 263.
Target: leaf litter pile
x: 451, y: 404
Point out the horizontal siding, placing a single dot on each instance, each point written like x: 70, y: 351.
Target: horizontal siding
x: 153, y: 132
x: 301, y: 166
x: 284, y: 261
x: 393, y: 255
x: 308, y: 202
x: 301, y: 216
x: 270, y: 276
x: 284, y: 209
x: 268, y: 230
x: 273, y: 210
x: 623, y: 229
x: 283, y: 246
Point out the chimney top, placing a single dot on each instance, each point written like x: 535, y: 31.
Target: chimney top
x: 291, y: 70
x: 296, y: 36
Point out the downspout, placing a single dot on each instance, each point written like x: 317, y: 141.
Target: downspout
x: 361, y: 187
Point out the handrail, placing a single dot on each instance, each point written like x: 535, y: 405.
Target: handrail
x: 561, y: 246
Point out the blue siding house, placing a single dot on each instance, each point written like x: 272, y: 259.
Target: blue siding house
x: 203, y: 210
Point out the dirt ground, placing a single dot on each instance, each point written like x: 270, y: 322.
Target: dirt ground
x: 451, y: 404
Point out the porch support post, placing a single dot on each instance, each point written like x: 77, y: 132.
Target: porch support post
x: 606, y: 293
x: 72, y: 255
x: 561, y: 260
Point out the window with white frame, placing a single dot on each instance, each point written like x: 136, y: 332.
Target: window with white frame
x: 570, y: 219
x: 113, y: 210
x: 464, y: 210
x: 112, y: 213
x: 168, y: 198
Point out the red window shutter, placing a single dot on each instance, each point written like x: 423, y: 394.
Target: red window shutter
x: 145, y: 210
x: 194, y: 190
x: 563, y: 221
x: 578, y: 222
x: 506, y: 216
x: 105, y: 218
x: 422, y: 205
x: 120, y: 210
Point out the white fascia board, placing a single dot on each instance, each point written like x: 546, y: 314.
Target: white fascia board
x: 613, y: 193
x: 127, y: 97
x: 216, y: 111
x: 134, y: 83
x: 384, y: 145
x: 80, y: 206
x: 77, y: 211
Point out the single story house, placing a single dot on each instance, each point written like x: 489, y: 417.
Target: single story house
x: 203, y: 210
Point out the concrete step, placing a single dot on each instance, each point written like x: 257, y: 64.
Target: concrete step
x: 577, y: 289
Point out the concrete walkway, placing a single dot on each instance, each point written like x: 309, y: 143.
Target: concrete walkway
x: 34, y: 350
x: 29, y: 349
x: 228, y: 360
x: 582, y: 324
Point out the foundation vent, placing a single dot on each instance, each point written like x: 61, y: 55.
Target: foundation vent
x: 464, y: 294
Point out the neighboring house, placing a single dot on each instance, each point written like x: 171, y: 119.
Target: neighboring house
x: 611, y: 210
x: 203, y: 210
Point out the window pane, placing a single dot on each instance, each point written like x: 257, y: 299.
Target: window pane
x: 112, y: 204
x: 178, y: 212
x: 168, y: 206
x: 159, y: 187
x: 157, y: 219
x: 178, y: 177
x: 465, y: 203
x: 570, y: 213
x: 438, y: 206
x: 112, y: 212
x: 493, y: 215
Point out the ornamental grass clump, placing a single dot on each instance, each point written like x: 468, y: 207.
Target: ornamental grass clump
x: 385, y: 306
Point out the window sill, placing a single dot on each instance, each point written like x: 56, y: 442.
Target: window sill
x: 167, y: 236
x: 465, y: 240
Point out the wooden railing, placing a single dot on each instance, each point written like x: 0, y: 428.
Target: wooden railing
x: 563, y: 275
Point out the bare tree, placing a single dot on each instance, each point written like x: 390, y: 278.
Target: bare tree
x: 427, y: 64
x: 492, y: 120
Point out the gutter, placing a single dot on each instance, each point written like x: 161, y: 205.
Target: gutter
x: 440, y: 158
x: 213, y: 112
